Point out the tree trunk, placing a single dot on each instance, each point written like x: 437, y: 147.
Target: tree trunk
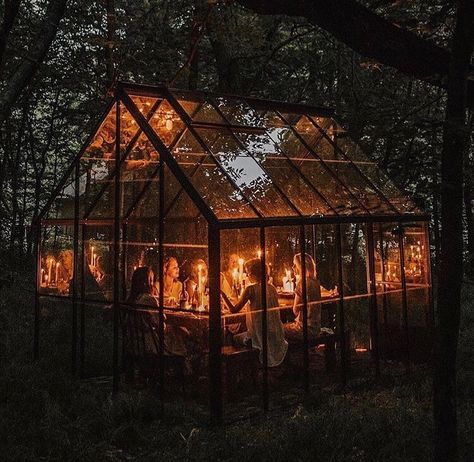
x: 468, y: 204
x: 26, y: 70
x: 450, y: 275
x: 10, y: 12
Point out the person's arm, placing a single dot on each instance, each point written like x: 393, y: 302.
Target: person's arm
x: 239, y: 305
x: 298, y: 300
x: 296, y: 303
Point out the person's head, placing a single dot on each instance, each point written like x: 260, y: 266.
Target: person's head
x: 253, y: 268
x: 142, y: 282
x: 171, y: 268
x: 232, y: 262
x: 309, y: 263
x: 201, y: 265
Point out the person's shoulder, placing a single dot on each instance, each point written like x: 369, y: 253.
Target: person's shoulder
x: 272, y: 289
x: 147, y: 299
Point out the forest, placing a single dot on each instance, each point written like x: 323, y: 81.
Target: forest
x: 398, y: 75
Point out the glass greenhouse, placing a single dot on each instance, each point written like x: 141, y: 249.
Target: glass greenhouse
x: 208, y: 196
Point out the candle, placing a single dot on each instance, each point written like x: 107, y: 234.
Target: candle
x: 235, y: 276
x: 50, y: 269
x: 92, y: 255
x: 241, y: 269
x: 288, y: 285
x: 200, y: 286
x: 42, y: 276
x: 57, y: 273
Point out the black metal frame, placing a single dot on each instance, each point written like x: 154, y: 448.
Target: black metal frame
x: 215, y: 226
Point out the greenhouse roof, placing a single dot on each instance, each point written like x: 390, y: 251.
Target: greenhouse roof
x: 239, y: 159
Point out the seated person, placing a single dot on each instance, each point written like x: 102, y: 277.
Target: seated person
x: 277, y: 345
x: 191, y: 282
x: 173, y: 287
x: 141, y: 293
x: 227, y: 277
x: 227, y: 287
x: 294, y: 330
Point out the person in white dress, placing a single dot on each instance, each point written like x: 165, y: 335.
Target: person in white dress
x: 277, y: 346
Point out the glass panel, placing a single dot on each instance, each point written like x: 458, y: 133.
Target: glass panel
x: 55, y: 341
x: 139, y: 171
x: 252, y: 180
x: 166, y: 123
x: 378, y: 177
x: 238, y: 112
x: 99, y: 263
x: 389, y: 291
x: 287, y: 178
x: 357, y: 296
x: 418, y: 279
x: 208, y: 114
x: 339, y: 197
x: 361, y: 188
x: 63, y: 204
x: 95, y: 312
x: 209, y: 180
x: 242, y: 384
x: 97, y: 165
x: 56, y: 259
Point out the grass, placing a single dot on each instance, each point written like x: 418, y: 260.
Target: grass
x: 45, y: 414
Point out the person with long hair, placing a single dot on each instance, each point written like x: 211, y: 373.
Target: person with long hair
x: 172, y: 285
x: 277, y: 346
x: 192, y: 281
x: 142, y: 292
x: 294, y: 330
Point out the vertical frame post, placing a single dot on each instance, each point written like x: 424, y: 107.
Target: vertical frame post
x: 117, y: 210
x: 384, y: 288
x: 37, y: 230
x: 161, y: 295
x: 124, y: 260
x: 374, y: 323
x: 305, y: 307
x: 76, y: 270
x: 341, y: 319
x: 401, y: 248
x: 264, y: 310
x: 215, y: 335
x: 427, y: 241
x: 82, y: 315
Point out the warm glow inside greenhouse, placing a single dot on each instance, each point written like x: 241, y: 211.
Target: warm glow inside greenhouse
x: 208, y: 196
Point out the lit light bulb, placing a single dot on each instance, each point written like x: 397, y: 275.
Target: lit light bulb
x: 169, y: 124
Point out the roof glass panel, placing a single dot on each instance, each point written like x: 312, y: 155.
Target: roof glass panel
x: 339, y: 197
x: 361, y: 189
x: 138, y: 172
x: 238, y: 112
x: 97, y: 164
x: 246, y: 174
x: 288, y: 178
x: 213, y: 185
x: 166, y: 123
x: 62, y: 206
x: 378, y: 177
x: 102, y: 145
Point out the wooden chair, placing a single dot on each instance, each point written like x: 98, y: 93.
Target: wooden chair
x: 140, y: 348
x: 239, y: 365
